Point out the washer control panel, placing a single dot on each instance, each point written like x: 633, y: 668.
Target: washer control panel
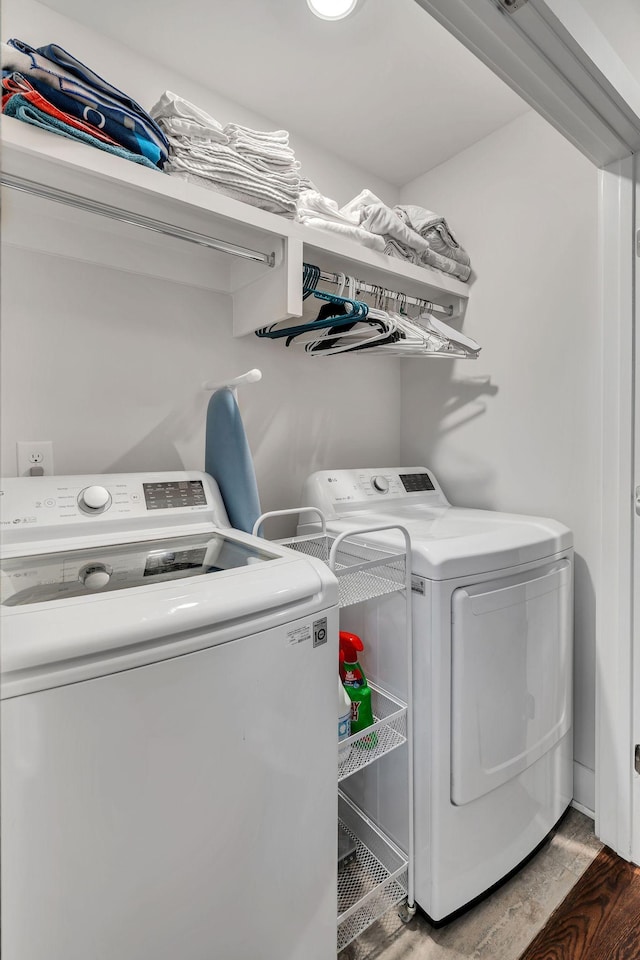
x: 37, y: 503
x: 338, y: 491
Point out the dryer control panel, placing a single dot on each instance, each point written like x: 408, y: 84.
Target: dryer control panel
x: 337, y: 492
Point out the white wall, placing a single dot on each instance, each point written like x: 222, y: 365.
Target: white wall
x: 106, y: 361
x: 146, y: 80
x: 518, y: 430
x: 108, y: 365
x: 619, y: 21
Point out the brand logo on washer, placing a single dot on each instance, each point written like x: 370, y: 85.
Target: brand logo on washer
x: 319, y: 632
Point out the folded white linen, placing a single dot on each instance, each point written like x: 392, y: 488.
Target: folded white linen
x: 171, y: 107
x: 235, y: 178
x: 218, y: 157
x: 281, y: 206
x: 234, y: 173
x: 394, y: 249
x: 276, y: 136
x: 434, y: 229
x: 345, y: 230
x: 180, y: 127
x: 274, y: 155
x: 314, y: 204
x: 376, y: 216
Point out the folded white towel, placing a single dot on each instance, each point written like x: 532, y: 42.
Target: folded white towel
x: 281, y: 206
x: 171, y: 107
x: 274, y: 155
x: 235, y: 130
x: 434, y: 229
x: 235, y: 173
x: 210, y: 159
x: 344, y: 230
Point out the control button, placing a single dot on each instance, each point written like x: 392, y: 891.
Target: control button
x: 381, y: 484
x: 94, y: 499
x: 95, y: 576
x: 135, y: 498
x: 49, y: 502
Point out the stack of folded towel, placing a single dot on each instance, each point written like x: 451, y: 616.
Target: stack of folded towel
x: 410, y: 233
x: 256, y: 167
x: 51, y: 89
x: 320, y: 212
x: 435, y: 230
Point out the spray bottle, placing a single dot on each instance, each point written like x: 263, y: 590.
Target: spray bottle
x: 355, y: 683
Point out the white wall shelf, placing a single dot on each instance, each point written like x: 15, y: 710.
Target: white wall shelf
x: 262, y: 294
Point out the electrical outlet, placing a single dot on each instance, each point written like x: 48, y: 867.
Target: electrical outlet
x: 35, y: 458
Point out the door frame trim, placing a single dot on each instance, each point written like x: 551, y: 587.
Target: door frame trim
x: 614, y: 621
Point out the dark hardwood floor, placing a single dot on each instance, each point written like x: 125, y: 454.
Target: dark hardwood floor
x: 598, y: 920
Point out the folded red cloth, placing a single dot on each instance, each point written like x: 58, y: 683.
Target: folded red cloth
x: 17, y: 84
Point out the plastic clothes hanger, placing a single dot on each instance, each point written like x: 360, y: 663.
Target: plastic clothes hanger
x: 377, y: 327
x: 355, y: 311
x: 310, y: 277
x: 376, y: 330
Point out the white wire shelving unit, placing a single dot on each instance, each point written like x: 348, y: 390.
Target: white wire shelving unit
x: 381, y: 876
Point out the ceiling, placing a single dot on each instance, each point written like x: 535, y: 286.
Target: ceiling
x: 388, y: 88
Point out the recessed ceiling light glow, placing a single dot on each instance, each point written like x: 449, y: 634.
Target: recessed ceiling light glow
x: 332, y: 9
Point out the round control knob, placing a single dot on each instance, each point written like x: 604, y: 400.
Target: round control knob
x: 381, y: 484
x: 95, y: 576
x: 94, y: 499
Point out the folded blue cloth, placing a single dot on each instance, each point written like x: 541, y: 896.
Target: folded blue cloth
x: 130, y: 139
x: 100, y: 98
x: 80, y: 70
x: 228, y: 460
x: 21, y: 109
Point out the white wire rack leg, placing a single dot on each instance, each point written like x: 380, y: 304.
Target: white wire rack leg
x: 409, y: 624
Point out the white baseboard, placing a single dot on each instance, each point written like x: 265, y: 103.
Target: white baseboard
x: 584, y: 789
x: 582, y: 809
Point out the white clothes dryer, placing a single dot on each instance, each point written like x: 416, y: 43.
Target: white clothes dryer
x: 492, y: 676
x: 161, y: 796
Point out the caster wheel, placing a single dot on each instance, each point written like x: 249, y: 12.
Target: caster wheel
x: 406, y: 913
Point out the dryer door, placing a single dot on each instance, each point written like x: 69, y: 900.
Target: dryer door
x: 511, y: 676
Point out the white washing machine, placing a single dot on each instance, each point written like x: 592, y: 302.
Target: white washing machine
x: 493, y: 641
x: 169, y: 773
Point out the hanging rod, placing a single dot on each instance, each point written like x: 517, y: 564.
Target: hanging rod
x: 391, y: 294
x: 136, y: 219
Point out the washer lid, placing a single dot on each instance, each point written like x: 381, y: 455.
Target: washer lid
x: 63, y: 574
x: 450, y: 542
x: 60, y: 633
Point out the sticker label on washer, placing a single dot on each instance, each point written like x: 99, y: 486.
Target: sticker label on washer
x: 418, y: 585
x: 299, y: 634
x: 319, y: 632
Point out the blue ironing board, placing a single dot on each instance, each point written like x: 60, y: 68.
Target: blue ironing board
x: 228, y: 460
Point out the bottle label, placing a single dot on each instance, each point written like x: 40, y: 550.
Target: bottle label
x: 344, y: 726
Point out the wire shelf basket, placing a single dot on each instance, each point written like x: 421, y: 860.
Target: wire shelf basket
x: 363, y: 572
x: 372, y: 883
x: 388, y: 731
